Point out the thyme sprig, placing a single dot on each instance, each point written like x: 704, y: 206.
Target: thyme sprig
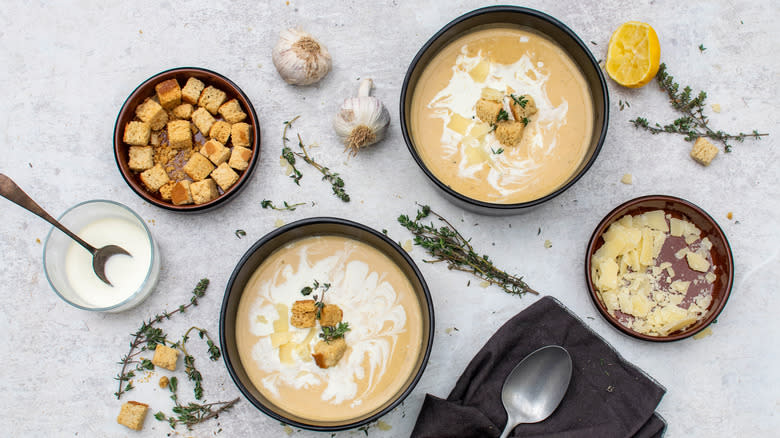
x: 266, y: 203
x: 147, y: 337
x: 189, y: 361
x: 693, y: 123
x: 446, y: 244
x: 319, y: 300
x: 191, y: 413
x: 337, y: 184
x: 332, y: 333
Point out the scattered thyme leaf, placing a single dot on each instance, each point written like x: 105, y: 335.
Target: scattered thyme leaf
x: 289, y: 207
x: 497, y: 152
x: 702, y: 48
x: 240, y: 233
x: 502, y: 115
x: 525, y: 121
x: 520, y: 100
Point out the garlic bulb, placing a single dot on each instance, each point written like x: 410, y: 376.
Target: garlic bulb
x: 299, y: 58
x: 362, y: 120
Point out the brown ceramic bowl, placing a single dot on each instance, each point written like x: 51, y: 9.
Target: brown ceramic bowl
x: 145, y: 90
x: 721, y: 257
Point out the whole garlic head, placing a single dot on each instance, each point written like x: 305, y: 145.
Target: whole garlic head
x: 299, y: 58
x: 362, y: 120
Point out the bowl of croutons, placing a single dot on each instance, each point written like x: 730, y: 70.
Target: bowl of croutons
x: 326, y: 324
x: 659, y: 268
x: 187, y: 139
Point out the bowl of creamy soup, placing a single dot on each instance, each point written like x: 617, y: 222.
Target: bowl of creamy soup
x: 326, y: 324
x: 503, y: 109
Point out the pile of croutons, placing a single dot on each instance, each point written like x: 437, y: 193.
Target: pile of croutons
x: 304, y: 315
x: 196, y: 125
x: 508, y: 130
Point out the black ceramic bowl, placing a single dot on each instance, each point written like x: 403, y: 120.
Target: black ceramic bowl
x: 146, y: 90
x: 276, y: 239
x: 536, y: 21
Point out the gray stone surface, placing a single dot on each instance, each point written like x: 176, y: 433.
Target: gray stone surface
x: 68, y: 66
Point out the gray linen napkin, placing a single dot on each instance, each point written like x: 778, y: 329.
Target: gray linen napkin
x: 608, y: 396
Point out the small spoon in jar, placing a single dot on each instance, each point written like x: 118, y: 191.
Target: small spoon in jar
x: 12, y: 192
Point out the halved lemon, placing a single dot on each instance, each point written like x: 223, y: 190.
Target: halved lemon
x: 634, y: 54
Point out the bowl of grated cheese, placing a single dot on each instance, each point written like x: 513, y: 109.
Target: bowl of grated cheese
x: 659, y: 268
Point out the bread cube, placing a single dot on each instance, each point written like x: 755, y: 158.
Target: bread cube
x: 198, y: 167
x: 203, y: 120
x: 152, y: 113
x: 137, y: 133
x: 165, y: 357
x: 241, y: 134
x: 168, y: 93
x: 191, y: 91
x: 215, y: 151
x: 166, y: 190
x: 220, y: 131
x: 154, y: 178
x: 509, y: 132
x: 204, y: 191
x: 331, y: 315
x: 487, y: 110
x: 212, y: 98
x: 155, y: 139
x: 232, y: 112
x: 328, y: 354
x: 239, y: 158
x: 181, y: 194
x: 179, y: 134
x: 304, y: 314
x: 224, y: 176
x: 703, y: 151
x: 132, y: 414
x: 140, y: 158
x: 183, y: 111
x: 519, y: 112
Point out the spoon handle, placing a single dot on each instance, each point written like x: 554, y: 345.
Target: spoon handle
x: 510, y: 425
x: 12, y: 192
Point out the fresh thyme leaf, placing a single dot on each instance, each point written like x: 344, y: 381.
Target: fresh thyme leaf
x: 520, y: 100
x: 499, y: 151
x: 446, y: 244
x: 289, y: 207
x: 525, y: 121
x: 693, y: 124
x: 288, y: 154
x: 240, y: 233
x: 332, y: 333
x: 502, y: 115
x: 702, y: 48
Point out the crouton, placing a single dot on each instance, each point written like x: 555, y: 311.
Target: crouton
x: 510, y: 132
x: 183, y: 111
x: 241, y: 134
x: 522, y: 106
x: 179, y: 134
x: 204, y: 191
x: 330, y: 315
x: 220, y: 131
x: 203, y: 120
x: 224, y: 176
x: 132, y: 415
x: 137, y: 133
x: 198, y: 167
x: 165, y: 357
x: 166, y: 190
x: 487, y: 110
x: 152, y: 113
x: 180, y: 193
x: 215, y: 151
x: 212, y: 98
x: 239, y: 158
x: 155, y: 139
x: 304, y: 314
x: 163, y: 382
x: 328, y: 354
x: 191, y: 91
x: 168, y: 93
x: 703, y: 151
x: 232, y: 112
x: 140, y: 158
x: 154, y: 178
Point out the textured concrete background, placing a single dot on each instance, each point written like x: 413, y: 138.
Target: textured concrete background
x: 68, y: 66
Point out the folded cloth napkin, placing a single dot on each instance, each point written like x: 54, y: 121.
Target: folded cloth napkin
x: 607, y: 397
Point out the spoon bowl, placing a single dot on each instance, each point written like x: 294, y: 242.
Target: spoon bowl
x: 536, y: 386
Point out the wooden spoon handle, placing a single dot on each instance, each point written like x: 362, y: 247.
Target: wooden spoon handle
x: 12, y: 192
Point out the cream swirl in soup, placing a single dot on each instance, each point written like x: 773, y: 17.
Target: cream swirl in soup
x: 463, y: 152
x: 377, y: 301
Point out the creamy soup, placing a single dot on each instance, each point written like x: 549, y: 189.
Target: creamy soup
x: 463, y: 152
x: 377, y: 301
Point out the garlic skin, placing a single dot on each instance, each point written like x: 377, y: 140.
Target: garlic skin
x: 299, y: 58
x: 362, y: 120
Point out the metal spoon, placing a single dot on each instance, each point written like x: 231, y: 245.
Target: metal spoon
x: 12, y: 192
x: 535, y: 388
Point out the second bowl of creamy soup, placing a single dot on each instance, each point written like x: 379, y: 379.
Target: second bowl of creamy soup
x: 504, y: 108
x: 326, y: 324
